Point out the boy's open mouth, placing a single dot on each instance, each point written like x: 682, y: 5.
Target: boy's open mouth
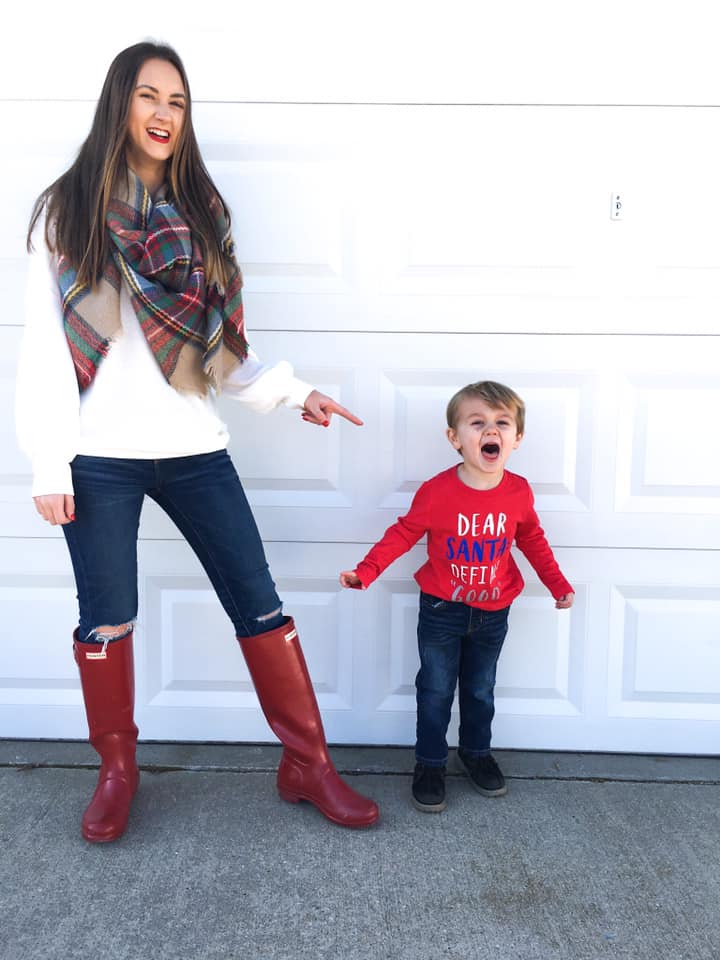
x: 490, y: 450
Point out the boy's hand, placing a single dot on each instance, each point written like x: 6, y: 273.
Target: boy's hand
x: 564, y: 603
x: 350, y: 580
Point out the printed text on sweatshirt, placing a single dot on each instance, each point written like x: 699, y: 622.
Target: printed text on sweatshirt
x: 469, y: 536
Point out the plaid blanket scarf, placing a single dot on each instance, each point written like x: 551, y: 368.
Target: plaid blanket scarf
x: 194, y: 329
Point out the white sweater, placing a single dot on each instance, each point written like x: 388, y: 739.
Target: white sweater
x: 130, y: 410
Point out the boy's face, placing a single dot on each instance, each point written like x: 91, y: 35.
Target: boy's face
x: 485, y: 436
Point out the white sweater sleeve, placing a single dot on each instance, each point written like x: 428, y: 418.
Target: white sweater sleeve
x: 263, y: 387
x: 47, y: 405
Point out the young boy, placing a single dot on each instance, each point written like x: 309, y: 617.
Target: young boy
x: 471, y: 514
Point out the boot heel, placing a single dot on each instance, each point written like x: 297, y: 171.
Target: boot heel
x: 289, y: 797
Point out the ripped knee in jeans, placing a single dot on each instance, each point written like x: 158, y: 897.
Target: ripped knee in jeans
x: 107, y: 634
x: 265, y: 623
x: 269, y: 616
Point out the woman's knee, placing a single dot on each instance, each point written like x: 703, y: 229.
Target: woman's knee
x: 107, y: 633
x: 252, y: 626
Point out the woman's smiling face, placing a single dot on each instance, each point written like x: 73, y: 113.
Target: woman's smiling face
x: 155, y: 120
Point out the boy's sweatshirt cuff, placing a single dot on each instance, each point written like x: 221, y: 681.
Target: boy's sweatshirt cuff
x: 366, y: 574
x: 562, y: 591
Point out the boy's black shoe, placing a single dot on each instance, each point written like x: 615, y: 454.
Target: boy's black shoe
x: 428, y: 788
x: 485, y: 775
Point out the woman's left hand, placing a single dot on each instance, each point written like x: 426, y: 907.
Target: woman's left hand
x: 319, y: 409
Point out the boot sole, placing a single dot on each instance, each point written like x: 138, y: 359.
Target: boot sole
x: 357, y: 825
x: 102, y: 839
x: 500, y: 792
x: 429, y: 807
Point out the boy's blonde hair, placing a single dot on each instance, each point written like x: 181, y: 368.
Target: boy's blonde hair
x: 494, y: 394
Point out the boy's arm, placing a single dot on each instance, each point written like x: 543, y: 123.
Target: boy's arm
x: 530, y: 538
x: 396, y: 540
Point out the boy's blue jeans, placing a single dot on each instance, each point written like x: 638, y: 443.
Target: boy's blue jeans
x: 459, y: 646
x: 203, y: 496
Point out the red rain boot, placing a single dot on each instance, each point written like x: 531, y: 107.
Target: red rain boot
x: 277, y: 667
x: 108, y: 685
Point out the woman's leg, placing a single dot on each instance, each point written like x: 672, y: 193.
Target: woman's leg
x: 102, y: 544
x: 204, y: 497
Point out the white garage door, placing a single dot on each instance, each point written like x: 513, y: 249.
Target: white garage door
x: 395, y: 253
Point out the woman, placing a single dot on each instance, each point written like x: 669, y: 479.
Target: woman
x: 134, y: 321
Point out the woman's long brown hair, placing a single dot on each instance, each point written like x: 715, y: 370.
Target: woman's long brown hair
x: 76, y: 203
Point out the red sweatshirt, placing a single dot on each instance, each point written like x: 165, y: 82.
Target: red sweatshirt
x: 469, y: 535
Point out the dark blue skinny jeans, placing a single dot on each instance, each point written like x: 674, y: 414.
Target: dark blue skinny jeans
x: 459, y: 647
x: 203, y: 496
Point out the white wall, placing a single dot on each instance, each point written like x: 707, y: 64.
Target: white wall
x: 422, y: 196
x: 385, y: 51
